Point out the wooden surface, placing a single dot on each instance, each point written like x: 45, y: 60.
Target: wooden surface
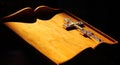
x: 53, y: 40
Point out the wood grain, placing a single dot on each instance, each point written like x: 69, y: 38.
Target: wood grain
x: 53, y: 40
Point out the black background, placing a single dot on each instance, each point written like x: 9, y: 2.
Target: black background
x: 102, y: 14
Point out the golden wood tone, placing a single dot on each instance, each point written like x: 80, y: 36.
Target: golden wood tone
x: 53, y: 40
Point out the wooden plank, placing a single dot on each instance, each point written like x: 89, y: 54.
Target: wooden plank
x: 53, y: 40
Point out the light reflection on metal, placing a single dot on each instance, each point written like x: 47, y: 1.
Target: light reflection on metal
x: 80, y: 25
